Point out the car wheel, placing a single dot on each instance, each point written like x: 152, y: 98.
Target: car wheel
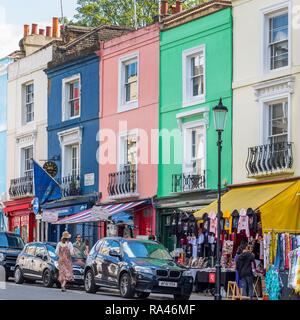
x: 182, y: 296
x: 89, y: 282
x: 19, y: 278
x: 126, y: 289
x: 142, y: 295
x: 48, y: 279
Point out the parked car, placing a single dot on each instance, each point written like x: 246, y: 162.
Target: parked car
x: 11, y: 245
x: 38, y: 261
x: 136, y: 267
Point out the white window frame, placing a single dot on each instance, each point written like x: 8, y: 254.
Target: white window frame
x: 22, y: 154
x: 24, y: 103
x: 186, y: 127
x: 122, y: 137
x: 187, y: 99
x: 122, y: 104
x: 65, y: 97
x: 267, y: 13
x: 265, y: 115
x: 69, y: 138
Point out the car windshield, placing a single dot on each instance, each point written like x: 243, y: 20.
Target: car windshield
x: 11, y: 241
x: 152, y: 250
x: 51, y: 251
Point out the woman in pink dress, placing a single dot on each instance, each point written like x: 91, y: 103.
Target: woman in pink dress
x: 65, y: 251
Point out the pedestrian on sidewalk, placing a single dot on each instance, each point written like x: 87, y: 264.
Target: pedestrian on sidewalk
x: 244, y: 268
x: 87, y: 247
x: 80, y: 246
x: 65, y: 251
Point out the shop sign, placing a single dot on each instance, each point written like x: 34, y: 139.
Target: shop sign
x: 35, y: 206
x: 211, y: 278
x: 51, y: 168
x: 89, y: 179
x: 50, y: 216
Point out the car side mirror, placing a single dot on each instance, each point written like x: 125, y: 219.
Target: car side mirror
x: 114, y: 253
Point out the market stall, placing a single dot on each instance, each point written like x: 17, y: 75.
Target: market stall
x: 263, y: 215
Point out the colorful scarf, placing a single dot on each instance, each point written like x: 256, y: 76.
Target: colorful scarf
x: 273, y: 284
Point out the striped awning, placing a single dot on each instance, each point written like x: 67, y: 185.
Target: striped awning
x: 99, y: 213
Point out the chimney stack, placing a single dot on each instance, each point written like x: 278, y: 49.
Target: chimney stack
x: 26, y: 30
x: 48, y: 31
x: 178, y: 6
x: 42, y: 32
x: 55, y: 23
x: 34, y: 28
x: 164, y: 7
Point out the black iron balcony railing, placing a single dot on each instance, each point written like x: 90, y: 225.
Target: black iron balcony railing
x: 269, y: 158
x: 70, y: 186
x: 122, y: 183
x: 188, y: 182
x: 21, y: 187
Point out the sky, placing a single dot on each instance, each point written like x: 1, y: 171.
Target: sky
x: 15, y: 13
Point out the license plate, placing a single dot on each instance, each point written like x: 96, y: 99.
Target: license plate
x: 78, y: 277
x: 12, y: 268
x: 167, y: 284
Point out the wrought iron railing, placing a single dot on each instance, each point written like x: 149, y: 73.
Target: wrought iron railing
x: 70, y: 186
x: 21, y: 187
x: 122, y: 182
x: 269, y: 158
x: 188, y: 182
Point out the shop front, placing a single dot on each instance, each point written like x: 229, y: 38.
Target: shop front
x: 129, y: 219
x: 53, y: 212
x: 265, y: 216
x: 21, y: 219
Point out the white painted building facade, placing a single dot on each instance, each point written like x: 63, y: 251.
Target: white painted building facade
x: 266, y: 95
x: 27, y: 113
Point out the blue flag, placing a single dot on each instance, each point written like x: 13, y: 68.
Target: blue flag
x: 45, y: 187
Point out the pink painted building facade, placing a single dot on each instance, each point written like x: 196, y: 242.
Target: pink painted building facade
x: 129, y: 102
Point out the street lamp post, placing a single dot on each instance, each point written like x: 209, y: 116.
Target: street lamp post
x: 220, y: 115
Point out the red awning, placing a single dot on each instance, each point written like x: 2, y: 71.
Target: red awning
x: 13, y: 206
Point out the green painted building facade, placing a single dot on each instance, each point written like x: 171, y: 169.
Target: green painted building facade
x: 195, y: 71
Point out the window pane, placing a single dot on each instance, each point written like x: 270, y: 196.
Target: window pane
x: 279, y: 28
x: 197, y: 86
x: 131, y: 82
x: 131, y: 72
x: 279, y: 55
x: 196, y: 65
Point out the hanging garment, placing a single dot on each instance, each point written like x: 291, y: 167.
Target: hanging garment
x: 252, y: 220
x: 261, y: 249
x: 192, y: 225
x: 174, y: 221
x: 293, y: 268
x: 227, y: 221
x: 279, y: 261
x: 287, y: 250
x: 206, y: 223
x: 273, y: 284
x: 213, y: 223
x: 297, y: 286
x: 193, y: 243
x: 267, y: 250
x: 235, y: 220
x: 200, y: 239
x: 243, y: 223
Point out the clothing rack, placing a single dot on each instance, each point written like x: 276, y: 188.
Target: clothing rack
x: 281, y: 231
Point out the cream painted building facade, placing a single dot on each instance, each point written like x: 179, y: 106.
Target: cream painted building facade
x: 266, y: 89
x: 27, y: 113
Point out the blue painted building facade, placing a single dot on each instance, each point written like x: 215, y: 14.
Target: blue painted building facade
x: 3, y: 128
x: 73, y: 124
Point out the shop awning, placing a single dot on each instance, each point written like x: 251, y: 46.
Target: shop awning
x: 247, y: 197
x: 100, y: 213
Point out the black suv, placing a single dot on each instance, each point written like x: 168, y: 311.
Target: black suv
x: 38, y: 261
x: 11, y: 245
x: 136, y: 267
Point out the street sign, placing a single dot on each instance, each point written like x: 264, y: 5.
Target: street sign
x: 35, y: 206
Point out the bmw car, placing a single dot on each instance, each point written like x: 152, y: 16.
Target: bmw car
x: 136, y: 268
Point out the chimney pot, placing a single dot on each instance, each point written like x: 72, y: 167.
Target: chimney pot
x: 164, y: 7
x: 55, y: 23
x: 34, y: 28
x: 178, y: 6
x: 42, y: 32
x: 48, y: 31
x: 26, y: 30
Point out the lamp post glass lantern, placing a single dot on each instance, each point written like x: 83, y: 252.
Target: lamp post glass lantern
x: 220, y: 115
